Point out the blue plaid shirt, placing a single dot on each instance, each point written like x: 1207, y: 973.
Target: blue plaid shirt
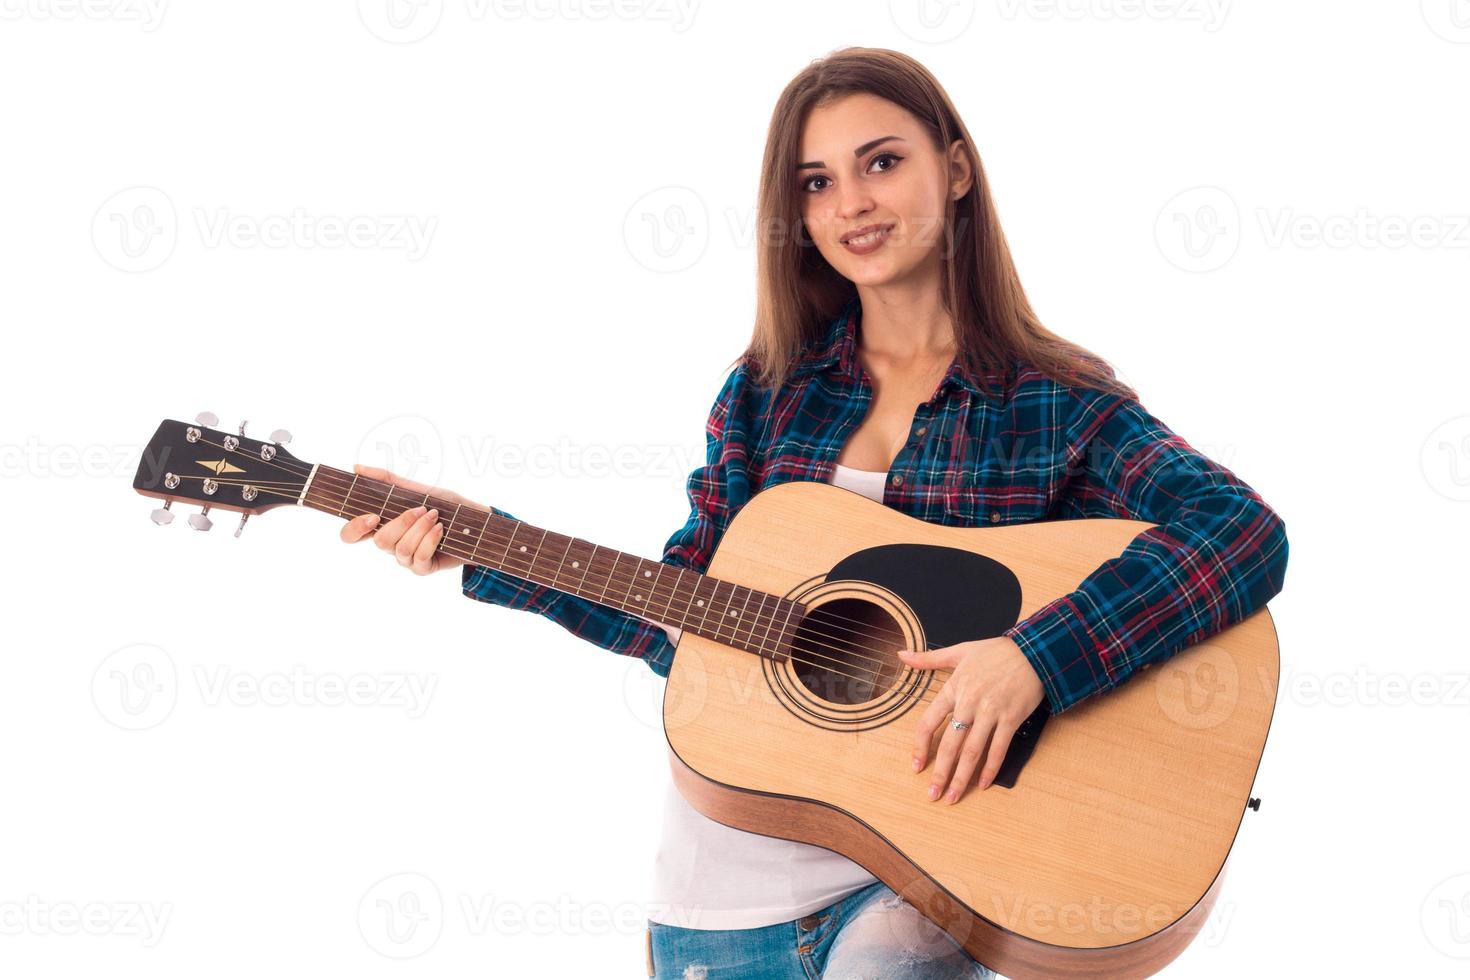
x: 1038, y: 451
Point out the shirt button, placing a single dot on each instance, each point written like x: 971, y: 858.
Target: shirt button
x: 921, y: 430
x: 995, y: 517
x: 898, y: 479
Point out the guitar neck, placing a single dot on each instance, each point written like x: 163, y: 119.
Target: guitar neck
x: 747, y: 619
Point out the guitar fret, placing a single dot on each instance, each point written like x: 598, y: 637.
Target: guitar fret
x: 660, y: 591
x: 653, y: 590
x: 561, y: 564
x: 582, y: 585
x: 706, y: 604
x: 342, y: 507
x: 758, y: 614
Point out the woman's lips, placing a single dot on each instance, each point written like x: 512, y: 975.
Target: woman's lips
x: 863, y: 244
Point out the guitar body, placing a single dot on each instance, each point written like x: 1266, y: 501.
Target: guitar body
x: 1101, y: 860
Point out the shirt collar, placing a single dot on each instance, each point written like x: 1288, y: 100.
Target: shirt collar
x: 838, y: 345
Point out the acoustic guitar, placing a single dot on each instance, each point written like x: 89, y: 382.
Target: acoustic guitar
x: 1099, y: 851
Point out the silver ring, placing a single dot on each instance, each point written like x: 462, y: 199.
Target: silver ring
x: 959, y: 726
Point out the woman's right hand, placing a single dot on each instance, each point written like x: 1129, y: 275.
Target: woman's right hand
x: 412, y: 537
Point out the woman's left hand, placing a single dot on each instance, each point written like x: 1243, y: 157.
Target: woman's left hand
x: 994, y: 688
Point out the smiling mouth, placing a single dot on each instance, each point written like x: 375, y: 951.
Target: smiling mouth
x: 870, y: 237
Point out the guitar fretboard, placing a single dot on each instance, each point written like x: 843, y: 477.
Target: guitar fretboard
x: 747, y: 619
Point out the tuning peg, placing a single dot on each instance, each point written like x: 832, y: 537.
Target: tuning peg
x: 207, y: 418
x: 241, y: 526
x: 199, y: 521
x: 280, y: 437
x: 163, y: 515
x: 242, y: 427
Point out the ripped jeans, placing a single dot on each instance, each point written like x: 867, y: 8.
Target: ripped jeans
x: 871, y: 934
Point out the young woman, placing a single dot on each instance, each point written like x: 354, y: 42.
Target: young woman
x: 895, y: 354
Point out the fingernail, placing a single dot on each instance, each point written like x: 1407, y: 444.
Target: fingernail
x: 933, y: 793
x: 372, y: 519
x: 435, y: 512
x: 953, y: 796
x: 918, y: 763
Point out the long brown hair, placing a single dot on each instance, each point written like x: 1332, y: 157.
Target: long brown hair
x: 798, y: 291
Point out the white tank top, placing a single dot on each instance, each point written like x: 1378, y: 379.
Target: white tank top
x: 709, y: 876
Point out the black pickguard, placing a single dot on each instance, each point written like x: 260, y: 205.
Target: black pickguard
x: 957, y: 595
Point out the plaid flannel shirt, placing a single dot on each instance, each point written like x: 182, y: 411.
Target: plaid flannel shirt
x: 1041, y: 451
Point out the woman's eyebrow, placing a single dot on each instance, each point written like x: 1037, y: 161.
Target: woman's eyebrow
x: 857, y: 153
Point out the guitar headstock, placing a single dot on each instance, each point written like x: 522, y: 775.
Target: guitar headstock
x: 227, y: 471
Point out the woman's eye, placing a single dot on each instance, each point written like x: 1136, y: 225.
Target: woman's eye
x: 888, y: 156
x: 806, y: 185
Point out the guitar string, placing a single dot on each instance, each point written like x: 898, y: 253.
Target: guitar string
x: 872, y: 676
x: 496, y: 538
x: 330, y: 473
x: 829, y: 663
x: 859, y: 629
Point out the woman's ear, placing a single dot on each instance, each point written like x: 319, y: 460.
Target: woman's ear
x: 960, y: 173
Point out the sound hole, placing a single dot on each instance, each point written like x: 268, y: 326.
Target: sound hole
x: 844, y: 651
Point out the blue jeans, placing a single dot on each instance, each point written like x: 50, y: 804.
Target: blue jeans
x: 871, y: 933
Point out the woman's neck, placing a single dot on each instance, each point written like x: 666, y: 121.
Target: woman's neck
x: 902, y: 325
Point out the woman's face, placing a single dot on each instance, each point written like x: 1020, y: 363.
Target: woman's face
x: 865, y: 161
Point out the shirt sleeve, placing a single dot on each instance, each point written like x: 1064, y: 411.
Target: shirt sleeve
x: 1217, y: 554
x: 691, y: 547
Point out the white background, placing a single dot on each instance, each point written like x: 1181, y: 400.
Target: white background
x: 1257, y: 212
